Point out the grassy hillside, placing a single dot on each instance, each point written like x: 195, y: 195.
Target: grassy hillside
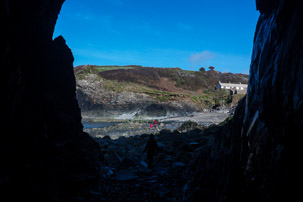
x: 165, y: 84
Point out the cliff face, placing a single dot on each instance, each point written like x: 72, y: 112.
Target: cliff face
x: 144, y: 92
x: 255, y: 155
x: 97, y: 101
x: 48, y: 156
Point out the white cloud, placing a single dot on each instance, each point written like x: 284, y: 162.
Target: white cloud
x: 201, y: 57
x: 224, y: 62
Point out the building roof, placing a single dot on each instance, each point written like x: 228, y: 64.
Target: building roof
x: 233, y: 85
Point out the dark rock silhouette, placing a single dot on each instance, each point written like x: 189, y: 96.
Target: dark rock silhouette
x: 255, y: 157
x: 47, y: 154
x: 151, y: 150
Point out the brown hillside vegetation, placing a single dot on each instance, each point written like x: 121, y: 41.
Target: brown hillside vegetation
x: 175, y: 78
x: 165, y: 84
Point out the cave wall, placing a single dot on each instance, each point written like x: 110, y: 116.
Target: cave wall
x: 273, y: 119
x: 47, y: 156
x: 255, y: 157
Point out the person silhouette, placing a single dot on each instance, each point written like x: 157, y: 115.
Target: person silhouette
x: 152, y: 149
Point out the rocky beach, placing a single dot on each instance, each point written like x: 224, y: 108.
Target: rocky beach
x: 115, y: 128
x: 124, y: 163
x: 125, y: 169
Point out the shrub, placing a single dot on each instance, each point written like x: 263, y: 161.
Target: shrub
x: 202, y: 69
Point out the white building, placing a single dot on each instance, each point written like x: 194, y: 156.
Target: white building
x: 234, y: 87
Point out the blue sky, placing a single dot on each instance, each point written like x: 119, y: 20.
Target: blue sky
x: 161, y: 33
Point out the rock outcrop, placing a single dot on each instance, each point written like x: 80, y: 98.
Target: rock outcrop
x: 255, y: 157
x: 48, y: 157
x: 96, y: 101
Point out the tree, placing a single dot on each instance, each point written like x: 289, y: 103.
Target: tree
x: 202, y: 69
x: 211, y: 68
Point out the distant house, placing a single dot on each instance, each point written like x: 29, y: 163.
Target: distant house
x: 233, y: 87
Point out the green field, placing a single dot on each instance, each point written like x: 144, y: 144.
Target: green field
x: 99, y: 69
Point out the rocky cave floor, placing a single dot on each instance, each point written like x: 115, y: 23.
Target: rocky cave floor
x: 127, y: 177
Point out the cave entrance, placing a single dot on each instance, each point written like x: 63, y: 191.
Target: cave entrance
x: 143, y: 61
x: 140, y: 71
